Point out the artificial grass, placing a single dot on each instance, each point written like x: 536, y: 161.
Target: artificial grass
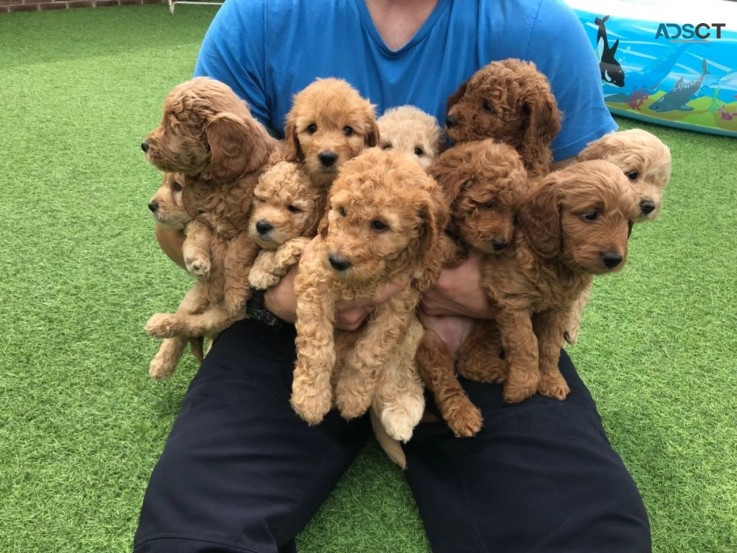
x: 81, y: 424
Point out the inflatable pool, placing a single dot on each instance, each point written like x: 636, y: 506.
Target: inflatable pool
x: 664, y: 62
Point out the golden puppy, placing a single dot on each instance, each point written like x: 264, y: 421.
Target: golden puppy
x: 644, y: 159
x: 511, y: 102
x: 484, y: 182
x: 208, y: 134
x: 413, y: 132
x: 287, y: 207
x: 328, y: 124
x: 384, y: 221
x: 575, y: 224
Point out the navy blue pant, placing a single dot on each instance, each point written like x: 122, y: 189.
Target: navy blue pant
x: 241, y: 472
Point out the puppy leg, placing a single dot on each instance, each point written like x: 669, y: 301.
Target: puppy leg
x: 574, y: 319
x: 196, y: 249
x: 168, y: 325
x: 211, y: 321
x: 437, y: 369
x: 166, y: 359
x: 311, y: 387
x: 239, y: 258
x: 399, y: 398
x: 521, y: 350
x: 481, y: 357
x: 549, y: 327
x: 388, y: 324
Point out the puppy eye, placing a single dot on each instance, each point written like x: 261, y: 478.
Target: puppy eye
x: 293, y: 209
x: 488, y: 107
x: 176, y: 187
x: 487, y: 205
x: 419, y: 151
x: 378, y: 226
x: 348, y: 131
x: 386, y: 146
x: 591, y: 216
x: 342, y: 212
x: 312, y: 128
x: 632, y: 175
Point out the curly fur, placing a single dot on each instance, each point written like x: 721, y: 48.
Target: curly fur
x: 384, y: 222
x: 209, y: 135
x: 575, y: 224
x: 328, y: 124
x: 413, y: 132
x: 287, y: 207
x: 484, y: 183
x: 509, y: 101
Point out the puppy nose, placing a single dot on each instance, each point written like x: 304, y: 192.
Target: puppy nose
x: 611, y: 259
x: 144, y: 145
x: 647, y: 206
x: 327, y: 158
x: 338, y: 262
x: 153, y: 205
x: 499, y: 244
x: 450, y: 121
x: 262, y: 227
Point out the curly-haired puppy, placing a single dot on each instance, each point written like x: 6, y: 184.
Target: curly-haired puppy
x: 509, y: 101
x: 574, y: 224
x: 167, y: 208
x: 385, y: 218
x: 643, y: 157
x: 411, y: 131
x: 646, y: 161
x: 328, y: 124
x: 484, y: 183
x: 209, y: 135
x: 287, y: 207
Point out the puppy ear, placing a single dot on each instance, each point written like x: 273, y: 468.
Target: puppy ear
x: 372, y: 135
x: 230, y: 147
x: 539, y: 218
x: 456, y: 96
x: 434, y: 214
x: 292, y: 149
x: 447, y: 171
x: 542, y: 124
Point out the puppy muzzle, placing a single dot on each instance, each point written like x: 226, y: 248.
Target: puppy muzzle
x: 339, y: 262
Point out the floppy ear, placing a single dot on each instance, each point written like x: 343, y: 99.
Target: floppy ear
x: 230, y: 147
x: 292, y: 149
x: 542, y: 124
x: 434, y: 214
x: 447, y: 171
x: 539, y: 218
x: 372, y: 134
x: 456, y: 96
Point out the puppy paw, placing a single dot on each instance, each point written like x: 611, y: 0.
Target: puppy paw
x: 554, y: 386
x: 520, y: 386
x: 352, y: 407
x: 162, y: 325
x: 262, y: 280
x: 466, y: 421
x: 198, y: 266
x: 312, y: 409
x: 160, y: 368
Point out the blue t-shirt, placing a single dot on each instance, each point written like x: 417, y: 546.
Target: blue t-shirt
x: 268, y: 50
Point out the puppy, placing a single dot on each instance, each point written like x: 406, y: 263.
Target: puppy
x: 647, y: 163
x: 168, y: 210
x: 328, y: 124
x: 509, y: 101
x: 384, y: 220
x: 484, y: 183
x: 644, y: 159
x: 208, y: 134
x: 413, y: 132
x: 287, y: 207
x: 574, y: 224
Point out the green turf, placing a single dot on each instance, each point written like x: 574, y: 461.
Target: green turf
x: 81, y: 425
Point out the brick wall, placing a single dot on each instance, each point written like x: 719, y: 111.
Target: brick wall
x: 7, y: 6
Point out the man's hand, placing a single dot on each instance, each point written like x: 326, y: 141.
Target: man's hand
x: 458, y: 292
